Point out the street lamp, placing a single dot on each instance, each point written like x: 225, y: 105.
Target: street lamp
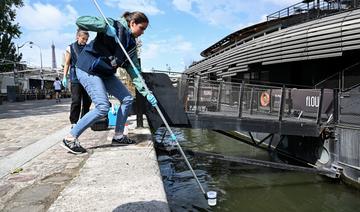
x: 22, y: 45
x: 41, y: 64
x: 18, y: 53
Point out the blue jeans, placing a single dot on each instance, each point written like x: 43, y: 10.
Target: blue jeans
x: 97, y: 88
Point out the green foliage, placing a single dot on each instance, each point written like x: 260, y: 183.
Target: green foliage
x: 9, y: 30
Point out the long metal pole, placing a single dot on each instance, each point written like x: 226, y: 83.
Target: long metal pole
x: 173, y: 137
x: 41, y: 65
x: 41, y: 70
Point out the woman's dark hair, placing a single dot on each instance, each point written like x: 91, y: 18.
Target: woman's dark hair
x: 57, y: 78
x: 137, y: 17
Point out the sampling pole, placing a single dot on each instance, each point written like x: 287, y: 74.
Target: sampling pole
x: 173, y: 137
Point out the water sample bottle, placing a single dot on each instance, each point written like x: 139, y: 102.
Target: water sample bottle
x: 211, y: 197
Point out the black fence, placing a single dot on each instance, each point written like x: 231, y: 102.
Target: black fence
x: 313, y: 9
x: 202, y: 96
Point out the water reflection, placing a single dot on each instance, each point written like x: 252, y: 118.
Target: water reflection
x: 244, y: 187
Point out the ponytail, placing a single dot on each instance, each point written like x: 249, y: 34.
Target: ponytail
x: 137, y: 17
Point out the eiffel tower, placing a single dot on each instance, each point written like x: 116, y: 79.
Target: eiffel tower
x: 53, y: 66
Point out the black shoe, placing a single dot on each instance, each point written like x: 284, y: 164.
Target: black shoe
x: 73, y: 146
x: 122, y: 141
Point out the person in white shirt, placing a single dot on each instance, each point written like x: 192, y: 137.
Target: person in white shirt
x: 57, y: 88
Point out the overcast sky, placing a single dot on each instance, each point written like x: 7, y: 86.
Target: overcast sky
x: 179, y: 29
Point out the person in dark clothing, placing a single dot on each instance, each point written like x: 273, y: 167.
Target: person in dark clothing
x: 79, y: 95
x: 96, y: 68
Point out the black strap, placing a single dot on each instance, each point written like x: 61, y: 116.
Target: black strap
x: 76, y: 49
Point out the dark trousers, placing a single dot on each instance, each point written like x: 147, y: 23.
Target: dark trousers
x: 78, y: 96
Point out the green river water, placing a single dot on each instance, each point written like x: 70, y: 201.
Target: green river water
x: 242, y: 187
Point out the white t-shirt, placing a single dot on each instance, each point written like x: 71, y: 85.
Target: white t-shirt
x: 68, y: 49
x: 57, y: 85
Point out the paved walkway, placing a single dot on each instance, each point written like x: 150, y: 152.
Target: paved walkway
x: 37, y: 174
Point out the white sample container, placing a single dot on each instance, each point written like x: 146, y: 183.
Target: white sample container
x: 211, y: 197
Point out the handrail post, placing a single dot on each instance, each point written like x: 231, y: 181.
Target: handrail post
x: 251, y: 100
x: 241, y: 94
x: 336, y: 105
x: 282, y: 101
x: 197, y: 93
x: 290, y: 102
x: 186, y: 92
x: 140, y: 102
x: 342, y: 80
x: 321, y: 96
x: 218, y: 104
x: 271, y: 101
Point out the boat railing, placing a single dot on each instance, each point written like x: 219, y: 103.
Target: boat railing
x: 349, y: 110
x: 314, y: 8
x: 255, y: 101
x: 344, y: 80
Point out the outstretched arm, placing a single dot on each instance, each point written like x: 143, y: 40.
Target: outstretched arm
x: 137, y: 81
x: 134, y: 77
x: 94, y: 24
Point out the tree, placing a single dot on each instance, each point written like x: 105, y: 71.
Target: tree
x: 8, y: 31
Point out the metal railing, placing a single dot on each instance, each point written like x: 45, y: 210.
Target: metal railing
x: 349, y: 111
x: 344, y: 80
x: 245, y: 100
x: 314, y: 8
